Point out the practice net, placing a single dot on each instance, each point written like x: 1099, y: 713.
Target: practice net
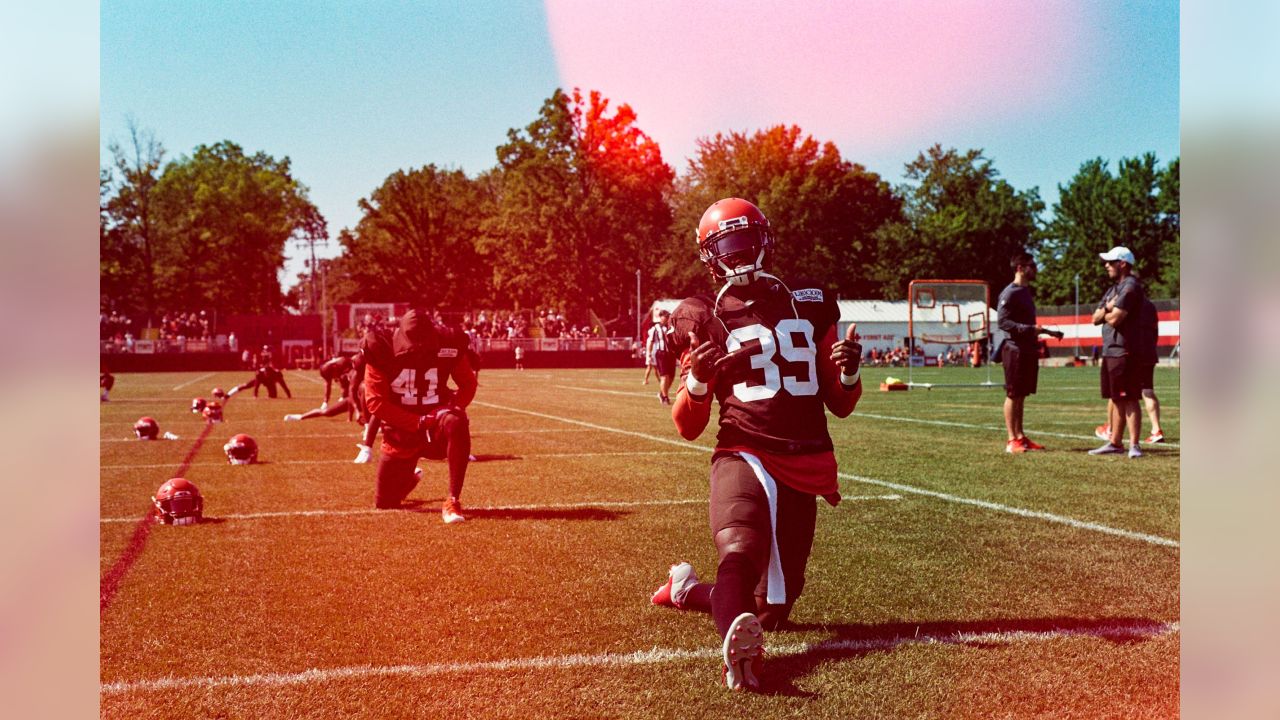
x: 951, y: 320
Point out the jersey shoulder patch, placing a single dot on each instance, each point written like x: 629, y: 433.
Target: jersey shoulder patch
x: 807, y: 295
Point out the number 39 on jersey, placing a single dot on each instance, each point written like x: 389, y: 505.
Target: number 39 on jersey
x: 792, y: 340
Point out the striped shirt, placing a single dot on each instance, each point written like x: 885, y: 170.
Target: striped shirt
x: 657, y: 338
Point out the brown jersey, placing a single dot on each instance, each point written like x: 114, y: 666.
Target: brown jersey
x: 769, y: 394
x: 407, y: 378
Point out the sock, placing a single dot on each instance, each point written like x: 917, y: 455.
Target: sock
x: 698, y: 597
x: 736, y: 578
x: 458, y: 453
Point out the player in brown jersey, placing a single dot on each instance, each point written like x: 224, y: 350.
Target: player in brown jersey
x: 407, y: 387
x: 769, y: 355
x: 267, y: 376
x: 339, y: 369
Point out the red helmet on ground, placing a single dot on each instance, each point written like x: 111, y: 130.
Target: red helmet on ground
x: 213, y: 411
x: 241, y: 450
x: 178, y: 502
x: 197, y: 405
x: 734, y: 240
x: 146, y: 428
x: 218, y: 394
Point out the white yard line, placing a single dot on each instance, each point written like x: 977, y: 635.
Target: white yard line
x: 654, y: 656
x: 356, y: 434
x: 896, y: 418
x: 971, y: 426
x: 481, y: 455
x: 652, y: 394
x: 1050, y: 517
x: 552, y: 506
x: 302, y: 374
x: 196, y: 380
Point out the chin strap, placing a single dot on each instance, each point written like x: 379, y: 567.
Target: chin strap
x: 715, y: 307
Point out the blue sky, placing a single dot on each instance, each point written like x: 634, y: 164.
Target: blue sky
x: 352, y: 92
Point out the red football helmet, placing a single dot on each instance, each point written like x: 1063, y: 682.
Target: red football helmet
x: 241, y: 450
x: 734, y: 240
x: 178, y: 502
x: 218, y: 394
x: 146, y: 428
x: 197, y: 405
x: 213, y: 411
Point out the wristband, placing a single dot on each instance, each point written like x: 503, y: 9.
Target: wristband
x: 850, y: 380
x: 695, y: 387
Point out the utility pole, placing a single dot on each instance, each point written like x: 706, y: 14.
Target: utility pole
x: 315, y: 233
x: 638, y: 324
x: 1077, y: 314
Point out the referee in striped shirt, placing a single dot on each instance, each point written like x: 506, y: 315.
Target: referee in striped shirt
x: 663, y: 359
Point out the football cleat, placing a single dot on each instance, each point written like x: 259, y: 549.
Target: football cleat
x: 241, y: 450
x: 292, y: 417
x: 1135, y: 451
x: 1156, y: 437
x: 743, y: 653
x: 451, y: 511
x: 178, y: 502
x: 1107, y: 449
x: 1102, y: 432
x: 146, y: 428
x: 363, y: 456
x: 1015, y: 446
x: 680, y: 578
x: 1030, y: 444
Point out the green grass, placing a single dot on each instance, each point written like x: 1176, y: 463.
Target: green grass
x: 564, y: 546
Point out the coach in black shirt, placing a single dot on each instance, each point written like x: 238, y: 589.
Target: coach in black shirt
x: 1122, y: 348
x: 1019, y: 349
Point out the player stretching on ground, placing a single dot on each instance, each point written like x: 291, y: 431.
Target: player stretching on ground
x: 769, y: 355
x: 406, y: 383
x: 267, y: 376
x: 339, y: 369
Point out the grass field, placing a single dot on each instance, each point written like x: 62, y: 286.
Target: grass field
x: 955, y: 581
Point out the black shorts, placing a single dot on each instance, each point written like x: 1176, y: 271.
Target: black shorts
x: 665, y: 362
x: 1121, y: 378
x: 738, y: 499
x: 1147, y: 376
x: 1021, y: 370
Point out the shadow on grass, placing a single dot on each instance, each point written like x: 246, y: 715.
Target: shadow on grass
x: 543, y: 513
x: 856, y: 640
x: 494, y: 458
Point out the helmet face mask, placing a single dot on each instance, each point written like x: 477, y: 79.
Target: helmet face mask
x: 178, y: 502
x: 241, y: 450
x: 213, y: 411
x: 734, y: 241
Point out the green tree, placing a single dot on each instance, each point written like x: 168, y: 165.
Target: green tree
x: 417, y: 241
x: 225, y: 219
x: 129, y: 227
x: 1137, y: 207
x: 962, y: 221
x: 582, y: 203
x: 825, y: 211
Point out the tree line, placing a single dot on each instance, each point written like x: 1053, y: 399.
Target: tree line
x: 581, y: 198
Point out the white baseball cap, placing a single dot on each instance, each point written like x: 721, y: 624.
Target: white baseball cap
x: 1118, y: 252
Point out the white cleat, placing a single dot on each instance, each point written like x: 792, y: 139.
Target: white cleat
x: 743, y: 653
x: 363, y: 456
x: 1135, y: 451
x: 680, y: 578
x: 292, y: 417
x: 471, y: 458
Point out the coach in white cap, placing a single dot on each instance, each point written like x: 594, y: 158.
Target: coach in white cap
x: 1118, y: 314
